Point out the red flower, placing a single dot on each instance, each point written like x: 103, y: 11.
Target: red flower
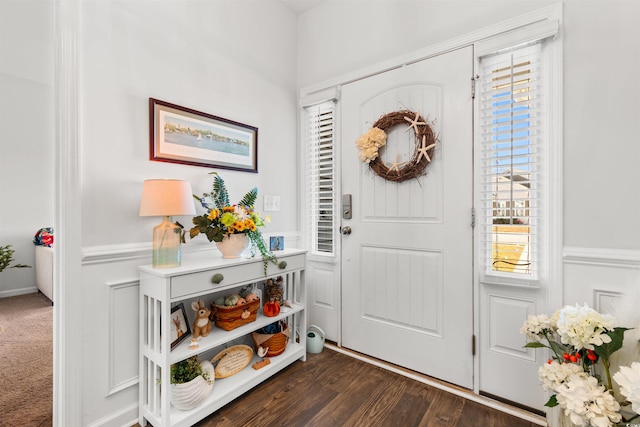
x: 47, y: 238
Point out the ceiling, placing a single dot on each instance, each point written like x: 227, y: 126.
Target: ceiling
x: 300, y: 6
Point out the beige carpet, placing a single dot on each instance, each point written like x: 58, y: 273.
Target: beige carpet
x: 26, y: 354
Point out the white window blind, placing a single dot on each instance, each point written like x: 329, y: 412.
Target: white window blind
x: 321, y: 204
x: 512, y: 160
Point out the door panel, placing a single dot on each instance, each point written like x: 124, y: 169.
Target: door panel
x: 407, y: 283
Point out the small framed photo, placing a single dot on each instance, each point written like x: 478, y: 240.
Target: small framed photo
x: 180, y: 325
x: 276, y: 243
x: 182, y: 135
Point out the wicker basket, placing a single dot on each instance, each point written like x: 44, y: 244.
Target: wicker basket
x: 277, y: 343
x: 229, y: 318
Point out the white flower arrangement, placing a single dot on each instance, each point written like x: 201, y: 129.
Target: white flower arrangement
x: 587, y: 402
x: 628, y: 378
x: 582, y: 342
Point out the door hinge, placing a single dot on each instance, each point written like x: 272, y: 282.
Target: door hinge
x: 473, y: 345
x: 473, y: 86
x: 473, y: 217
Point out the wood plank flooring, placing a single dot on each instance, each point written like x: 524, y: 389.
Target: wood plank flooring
x: 332, y: 389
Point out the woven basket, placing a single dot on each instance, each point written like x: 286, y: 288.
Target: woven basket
x: 277, y: 343
x: 229, y: 318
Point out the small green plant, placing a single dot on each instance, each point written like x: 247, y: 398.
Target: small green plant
x: 188, y: 369
x: 6, y: 258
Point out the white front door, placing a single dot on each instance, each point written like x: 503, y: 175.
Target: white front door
x: 407, y: 266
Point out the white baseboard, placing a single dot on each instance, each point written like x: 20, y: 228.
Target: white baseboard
x: 16, y: 292
x: 126, y: 417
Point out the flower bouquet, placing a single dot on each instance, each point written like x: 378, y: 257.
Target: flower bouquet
x: 578, y: 375
x: 224, y: 219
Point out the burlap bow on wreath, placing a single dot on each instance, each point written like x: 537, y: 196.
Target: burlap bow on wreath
x: 376, y: 137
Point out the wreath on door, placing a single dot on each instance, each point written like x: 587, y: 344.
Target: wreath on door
x: 376, y: 137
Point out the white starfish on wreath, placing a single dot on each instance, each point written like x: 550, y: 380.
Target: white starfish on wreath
x: 422, y: 151
x: 414, y: 123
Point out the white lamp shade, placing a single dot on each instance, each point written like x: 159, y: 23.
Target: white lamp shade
x: 166, y: 197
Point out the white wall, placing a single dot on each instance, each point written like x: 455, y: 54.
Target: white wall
x: 235, y: 60
x: 26, y: 140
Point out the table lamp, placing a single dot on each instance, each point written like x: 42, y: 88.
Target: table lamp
x: 166, y: 197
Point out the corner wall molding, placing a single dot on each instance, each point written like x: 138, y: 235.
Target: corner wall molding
x: 618, y: 258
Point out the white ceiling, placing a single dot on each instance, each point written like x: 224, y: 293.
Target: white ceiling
x: 300, y: 6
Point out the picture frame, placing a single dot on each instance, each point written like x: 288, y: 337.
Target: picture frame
x: 186, y: 136
x: 276, y: 243
x: 180, y: 330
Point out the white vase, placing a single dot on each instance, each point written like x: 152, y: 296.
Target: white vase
x: 233, y: 245
x: 187, y: 396
x: 557, y: 418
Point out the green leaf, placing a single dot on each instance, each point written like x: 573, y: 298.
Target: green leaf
x: 553, y: 401
x: 219, y: 194
x: 534, y: 344
x: 249, y: 199
x: 214, y: 235
x: 559, y: 348
x: 201, y: 221
x: 607, y: 349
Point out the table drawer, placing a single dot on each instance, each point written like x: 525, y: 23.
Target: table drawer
x: 187, y: 284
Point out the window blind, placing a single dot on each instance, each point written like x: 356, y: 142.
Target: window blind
x: 321, y: 177
x: 511, y: 115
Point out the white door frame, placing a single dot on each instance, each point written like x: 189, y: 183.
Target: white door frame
x: 67, y: 290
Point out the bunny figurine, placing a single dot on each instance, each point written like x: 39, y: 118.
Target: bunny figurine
x: 202, y: 324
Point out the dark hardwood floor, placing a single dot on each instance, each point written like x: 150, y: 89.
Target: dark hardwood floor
x: 332, y: 389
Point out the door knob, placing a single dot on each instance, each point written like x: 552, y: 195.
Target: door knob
x: 345, y: 230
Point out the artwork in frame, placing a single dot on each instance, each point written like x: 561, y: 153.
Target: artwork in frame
x: 276, y: 243
x: 180, y: 325
x: 182, y: 135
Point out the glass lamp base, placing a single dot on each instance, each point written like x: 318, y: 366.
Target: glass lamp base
x: 167, y: 252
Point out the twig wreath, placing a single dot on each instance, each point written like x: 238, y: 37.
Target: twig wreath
x: 376, y: 137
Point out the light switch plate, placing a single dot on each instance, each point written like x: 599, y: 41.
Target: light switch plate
x: 271, y: 203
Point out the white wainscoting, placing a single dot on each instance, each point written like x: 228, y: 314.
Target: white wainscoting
x: 123, y: 299
x: 601, y: 277
x: 109, y: 338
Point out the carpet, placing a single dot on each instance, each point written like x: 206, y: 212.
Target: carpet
x: 26, y: 357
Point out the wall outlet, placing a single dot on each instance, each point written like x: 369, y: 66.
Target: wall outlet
x: 271, y: 203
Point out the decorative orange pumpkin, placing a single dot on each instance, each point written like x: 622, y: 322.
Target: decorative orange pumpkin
x: 271, y: 308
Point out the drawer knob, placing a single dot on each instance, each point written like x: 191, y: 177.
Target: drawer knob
x: 217, y: 278
x: 282, y: 265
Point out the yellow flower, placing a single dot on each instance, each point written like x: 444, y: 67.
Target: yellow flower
x: 214, y: 214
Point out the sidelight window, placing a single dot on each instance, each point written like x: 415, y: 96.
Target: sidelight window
x: 320, y: 177
x: 512, y: 122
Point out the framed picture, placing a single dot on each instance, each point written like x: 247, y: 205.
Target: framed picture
x: 182, y: 135
x: 180, y: 325
x: 276, y: 243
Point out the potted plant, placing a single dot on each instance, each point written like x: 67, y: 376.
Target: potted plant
x: 191, y: 382
x: 6, y: 258
x: 224, y: 222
